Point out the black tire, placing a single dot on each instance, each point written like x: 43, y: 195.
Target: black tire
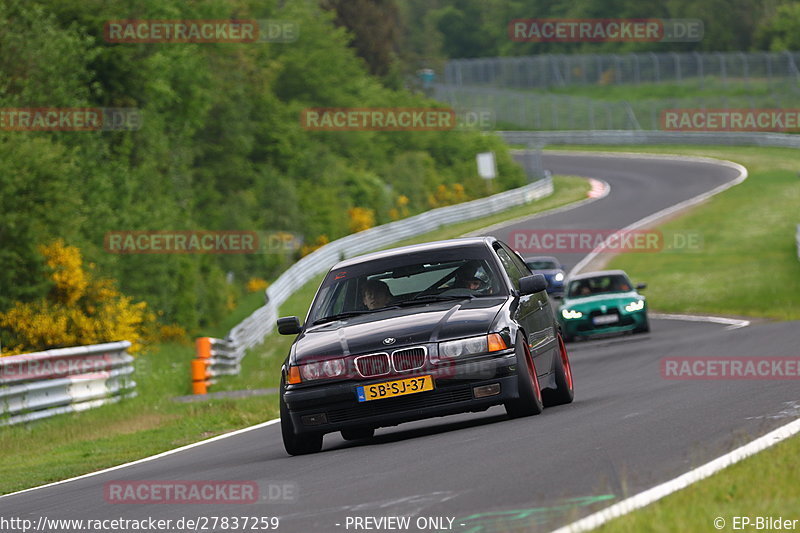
x: 358, y: 433
x: 564, y: 391
x: 645, y: 328
x: 296, y: 444
x: 530, y: 394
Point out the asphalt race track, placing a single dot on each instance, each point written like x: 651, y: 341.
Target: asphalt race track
x: 628, y: 429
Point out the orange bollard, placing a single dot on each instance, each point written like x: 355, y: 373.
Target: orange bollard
x: 203, y: 347
x: 199, y: 376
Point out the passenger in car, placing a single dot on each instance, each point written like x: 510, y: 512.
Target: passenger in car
x: 376, y: 294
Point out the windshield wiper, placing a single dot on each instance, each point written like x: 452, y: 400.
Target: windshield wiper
x: 348, y: 314
x: 427, y: 298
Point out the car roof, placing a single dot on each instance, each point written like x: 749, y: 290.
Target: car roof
x: 542, y: 258
x: 467, y: 242
x: 597, y: 273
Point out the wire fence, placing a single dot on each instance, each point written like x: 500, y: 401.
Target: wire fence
x: 560, y: 70
x: 517, y: 109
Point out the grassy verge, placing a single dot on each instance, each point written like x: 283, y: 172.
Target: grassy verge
x: 763, y: 485
x: 747, y: 264
x: 71, y: 445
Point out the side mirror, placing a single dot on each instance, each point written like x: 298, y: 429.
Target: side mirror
x: 289, y: 325
x: 640, y: 286
x: 531, y: 284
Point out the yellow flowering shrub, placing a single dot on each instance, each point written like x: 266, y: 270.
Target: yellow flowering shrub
x: 361, y: 218
x: 445, y: 195
x: 257, y: 285
x: 173, y: 333
x: 79, y: 310
x: 319, y: 242
x: 401, y: 208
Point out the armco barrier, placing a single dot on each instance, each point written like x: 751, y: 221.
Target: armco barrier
x: 215, y: 357
x: 252, y: 330
x: 797, y: 241
x: 733, y: 138
x: 42, y: 384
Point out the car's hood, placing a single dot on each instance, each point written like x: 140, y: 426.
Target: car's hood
x: 408, y: 326
x: 592, y: 302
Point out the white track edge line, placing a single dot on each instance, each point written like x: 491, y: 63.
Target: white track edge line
x: 733, y: 323
x: 672, y: 209
x: 660, y: 491
x: 148, y: 459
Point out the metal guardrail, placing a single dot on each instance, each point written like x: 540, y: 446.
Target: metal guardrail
x: 252, y: 330
x: 797, y: 240
x: 43, y: 384
x: 215, y: 357
x: 784, y: 140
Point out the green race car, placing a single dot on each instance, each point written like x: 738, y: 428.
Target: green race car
x: 602, y: 302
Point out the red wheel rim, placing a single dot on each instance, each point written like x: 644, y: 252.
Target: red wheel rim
x: 565, y: 361
x: 534, y: 377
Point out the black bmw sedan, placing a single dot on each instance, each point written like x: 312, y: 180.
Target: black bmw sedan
x: 421, y: 331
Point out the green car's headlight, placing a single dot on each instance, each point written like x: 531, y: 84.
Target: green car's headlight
x: 569, y: 313
x: 638, y: 305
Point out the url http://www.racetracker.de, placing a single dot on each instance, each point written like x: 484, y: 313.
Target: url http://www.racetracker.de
x: 123, y: 525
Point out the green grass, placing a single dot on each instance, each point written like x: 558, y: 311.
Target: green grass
x: 747, y: 265
x: 692, y: 88
x: 762, y: 485
x: 609, y: 107
x: 75, y: 444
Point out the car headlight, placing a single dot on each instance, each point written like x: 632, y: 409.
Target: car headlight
x: 331, y: 368
x: 559, y: 276
x: 638, y: 305
x: 472, y: 345
x: 569, y: 313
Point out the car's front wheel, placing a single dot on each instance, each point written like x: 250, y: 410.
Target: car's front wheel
x: 296, y: 444
x: 529, y: 401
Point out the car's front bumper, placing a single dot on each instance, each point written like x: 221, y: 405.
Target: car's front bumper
x: 334, y: 406
x: 584, y: 327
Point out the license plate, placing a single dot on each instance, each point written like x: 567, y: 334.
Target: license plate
x: 605, y: 319
x: 399, y: 387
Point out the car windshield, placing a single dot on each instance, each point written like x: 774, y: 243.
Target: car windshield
x: 599, y: 285
x: 408, y: 280
x: 542, y: 264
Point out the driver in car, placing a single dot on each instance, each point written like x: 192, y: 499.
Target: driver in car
x: 473, y: 284
x: 376, y: 294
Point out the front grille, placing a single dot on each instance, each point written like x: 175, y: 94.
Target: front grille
x: 401, y: 403
x: 376, y: 364
x: 408, y: 359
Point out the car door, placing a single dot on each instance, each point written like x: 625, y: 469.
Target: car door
x: 542, y: 328
x: 527, y: 310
